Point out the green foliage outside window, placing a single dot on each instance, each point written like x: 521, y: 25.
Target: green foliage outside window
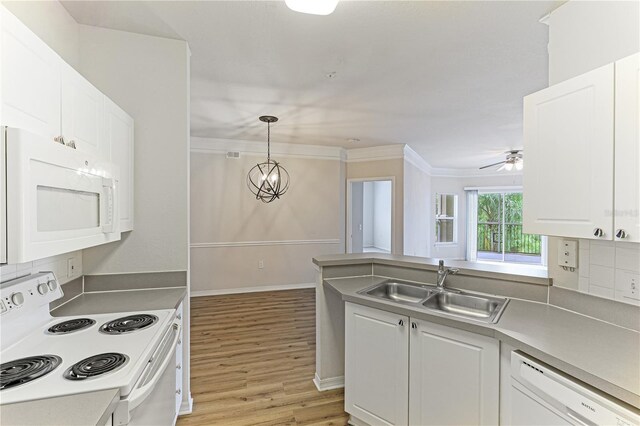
x: 492, y: 231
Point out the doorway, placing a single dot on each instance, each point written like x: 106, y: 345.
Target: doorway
x: 370, y: 216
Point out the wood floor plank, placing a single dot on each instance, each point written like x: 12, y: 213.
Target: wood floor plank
x: 253, y: 360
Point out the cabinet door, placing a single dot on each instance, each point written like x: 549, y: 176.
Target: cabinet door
x: 119, y: 137
x: 29, y: 79
x: 82, y: 114
x: 454, y: 376
x: 627, y: 150
x: 376, y: 365
x: 568, y: 152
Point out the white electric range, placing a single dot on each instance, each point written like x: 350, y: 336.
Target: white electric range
x: 44, y: 356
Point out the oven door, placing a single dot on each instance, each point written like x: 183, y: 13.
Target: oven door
x: 152, y: 400
x: 58, y: 199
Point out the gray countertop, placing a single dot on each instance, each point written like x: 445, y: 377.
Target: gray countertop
x: 598, y: 353
x: 522, y: 273
x: 92, y: 408
x: 104, y: 302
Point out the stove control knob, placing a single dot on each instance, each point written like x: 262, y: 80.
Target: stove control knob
x: 52, y: 285
x: 43, y: 289
x: 17, y: 299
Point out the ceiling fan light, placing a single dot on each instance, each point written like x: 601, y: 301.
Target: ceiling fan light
x: 508, y: 166
x: 519, y: 165
x: 313, y: 7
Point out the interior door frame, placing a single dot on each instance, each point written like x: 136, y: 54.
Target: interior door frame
x: 393, y: 208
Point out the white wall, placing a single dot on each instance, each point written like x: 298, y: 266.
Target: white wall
x: 50, y: 21
x: 382, y: 215
x: 456, y: 185
x: 584, y: 36
x: 417, y: 210
x: 232, y: 231
x: 367, y: 220
x: 149, y: 78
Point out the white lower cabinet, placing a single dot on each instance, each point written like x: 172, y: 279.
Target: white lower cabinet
x: 453, y: 376
x: 376, y: 365
x: 405, y: 371
x: 179, y: 349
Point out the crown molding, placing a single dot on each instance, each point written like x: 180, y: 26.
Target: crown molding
x: 417, y: 160
x: 375, y: 153
x: 222, y: 146
x: 459, y: 173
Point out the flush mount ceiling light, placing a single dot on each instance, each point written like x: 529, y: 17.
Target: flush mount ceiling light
x: 268, y: 180
x: 313, y: 7
x: 514, y: 160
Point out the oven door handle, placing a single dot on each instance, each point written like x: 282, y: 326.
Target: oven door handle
x: 140, y: 394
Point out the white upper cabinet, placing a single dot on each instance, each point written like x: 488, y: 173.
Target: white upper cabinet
x: 627, y: 149
x: 454, y: 376
x: 376, y: 365
x: 82, y: 114
x: 568, y: 148
x: 29, y: 79
x: 119, y: 139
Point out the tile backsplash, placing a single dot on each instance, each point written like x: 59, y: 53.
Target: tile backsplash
x: 610, y: 269
x: 57, y: 264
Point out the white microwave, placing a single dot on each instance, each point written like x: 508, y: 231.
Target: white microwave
x: 53, y: 199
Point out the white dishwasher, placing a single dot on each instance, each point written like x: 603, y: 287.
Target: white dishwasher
x: 541, y: 396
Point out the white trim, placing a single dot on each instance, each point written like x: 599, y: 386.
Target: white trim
x: 328, y: 384
x: 222, y: 146
x: 417, y: 160
x: 187, y: 406
x: 265, y: 243
x: 489, y: 189
x: 258, y: 289
x: 375, y: 153
x: 393, y: 209
x: 453, y: 173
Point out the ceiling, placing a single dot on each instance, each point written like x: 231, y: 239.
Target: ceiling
x: 445, y: 77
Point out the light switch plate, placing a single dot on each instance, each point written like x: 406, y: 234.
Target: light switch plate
x: 568, y: 253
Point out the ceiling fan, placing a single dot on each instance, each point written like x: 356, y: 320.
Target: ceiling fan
x: 514, y: 160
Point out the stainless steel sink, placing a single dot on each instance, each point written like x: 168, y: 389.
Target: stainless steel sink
x: 446, y: 301
x: 482, y: 308
x: 399, y: 292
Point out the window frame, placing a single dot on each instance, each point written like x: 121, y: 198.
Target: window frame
x: 453, y: 219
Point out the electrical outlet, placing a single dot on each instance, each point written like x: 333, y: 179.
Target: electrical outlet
x: 632, y: 285
x: 71, y: 267
x: 260, y: 264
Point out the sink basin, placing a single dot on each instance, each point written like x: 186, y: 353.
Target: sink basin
x: 399, y: 292
x: 482, y: 308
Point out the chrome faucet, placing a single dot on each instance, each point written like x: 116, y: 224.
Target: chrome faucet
x: 442, y: 274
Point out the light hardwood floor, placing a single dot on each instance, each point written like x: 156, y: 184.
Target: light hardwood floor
x: 253, y: 361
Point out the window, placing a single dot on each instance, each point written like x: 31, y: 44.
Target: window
x: 498, y: 226
x: 446, y: 221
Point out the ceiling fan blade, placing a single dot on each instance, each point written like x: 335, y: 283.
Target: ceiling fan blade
x: 491, y: 165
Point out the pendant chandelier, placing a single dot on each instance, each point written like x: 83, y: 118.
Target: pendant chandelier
x: 268, y: 180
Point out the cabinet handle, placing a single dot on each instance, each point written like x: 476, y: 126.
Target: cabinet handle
x: 59, y: 139
x: 598, y: 232
x: 71, y: 144
x: 401, y: 323
x: 179, y: 341
x: 179, y: 316
x: 179, y: 367
x: 621, y: 233
x: 178, y: 391
x: 414, y: 325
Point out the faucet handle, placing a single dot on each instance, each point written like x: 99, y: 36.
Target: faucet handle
x: 441, y: 263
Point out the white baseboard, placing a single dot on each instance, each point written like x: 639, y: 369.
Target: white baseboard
x: 186, y: 407
x: 328, y: 384
x: 217, y: 292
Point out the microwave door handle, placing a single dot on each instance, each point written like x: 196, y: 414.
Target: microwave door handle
x: 109, y: 185
x: 140, y: 394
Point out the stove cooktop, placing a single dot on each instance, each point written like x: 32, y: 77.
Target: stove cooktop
x: 80, y: 358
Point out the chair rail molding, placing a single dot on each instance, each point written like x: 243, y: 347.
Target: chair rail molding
x: 266, y: 243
